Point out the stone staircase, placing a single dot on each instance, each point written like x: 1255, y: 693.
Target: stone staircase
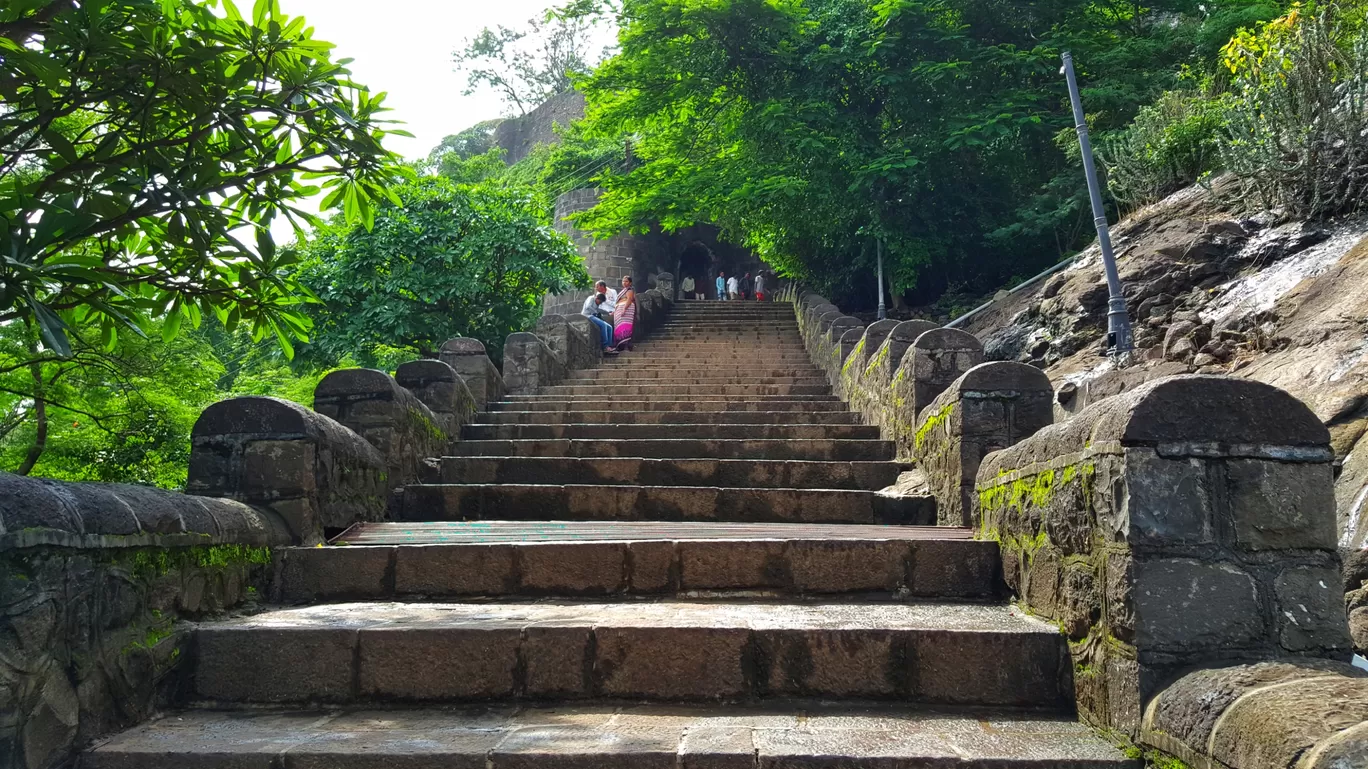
x: 677, y: 559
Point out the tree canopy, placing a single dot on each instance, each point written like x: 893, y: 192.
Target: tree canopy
x: 146, y: 146
x: 809, y: 129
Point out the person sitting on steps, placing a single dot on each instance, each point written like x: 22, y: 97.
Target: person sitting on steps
x: 591, y: 311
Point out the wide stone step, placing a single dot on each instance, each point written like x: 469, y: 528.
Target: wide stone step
x: 534, y: 502
x: 831, y: 405
x: 669, y: 417
x: 682, y: 379
x: 608, y: 736
x: 655, y: 650
x: 687, y: 397
x: 614, y: 390
x: 616, y: 471
x: 431, y: 560
x: 814, y: 450
x: 643, y: 375
x: 495, y: 432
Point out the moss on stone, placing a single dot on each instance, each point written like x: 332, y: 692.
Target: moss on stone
x: 932, y: 421
x: 854, y: 356
x: 879, y: 357
x: 150, y: 563
x: 433, y: 431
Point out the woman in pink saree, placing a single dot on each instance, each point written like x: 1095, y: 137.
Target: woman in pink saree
x: 624, y: 314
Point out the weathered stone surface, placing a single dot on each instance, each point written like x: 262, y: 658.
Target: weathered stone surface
x: 399, y: 425
x: 1191, y: 540
x: 937, y: 358
x: 571, y: 341
x: 991, y: 406
x: 437, y: 385
x: 472, y: 364
x: 454, y: 663
x: 1182, y: 603
x: 1268, y: 714
x: 321, y: 474
x: 530, y: 364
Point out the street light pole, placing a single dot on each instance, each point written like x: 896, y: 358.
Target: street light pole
x: 882, y: 312
x: 1119, y: 338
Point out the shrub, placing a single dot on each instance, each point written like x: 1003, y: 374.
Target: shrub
x: 1298, y: 121
x: 1170, y: 145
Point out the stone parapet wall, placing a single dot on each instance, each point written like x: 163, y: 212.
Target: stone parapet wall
x: 1306, y: 714
x: 990, y: 407
x: 572, y: 337
x: 852, y: 383
x: 530, y: 364
x: 468, y: 358
x: 439, y: 387
x: 1187, y: 523
x: 94, y: 579
x: 313, y: 472
x: 396, y: 422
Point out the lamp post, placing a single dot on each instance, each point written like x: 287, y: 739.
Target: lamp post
x: 1119, y: 339
x: 883, y: 313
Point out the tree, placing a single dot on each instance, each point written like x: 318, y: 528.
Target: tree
x: 446, y: 261
x: 141, y: 139
x: 528, y: 66
x: 811, y: 130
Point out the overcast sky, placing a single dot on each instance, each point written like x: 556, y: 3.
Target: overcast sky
x: 404, y: 47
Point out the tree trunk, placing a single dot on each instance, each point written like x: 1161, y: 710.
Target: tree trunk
x: 40, y: 411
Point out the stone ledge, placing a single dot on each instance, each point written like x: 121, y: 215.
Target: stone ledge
x: 36, y: 512
x: 1305, y: 714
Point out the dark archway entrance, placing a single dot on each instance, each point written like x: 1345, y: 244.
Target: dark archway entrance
x: 697, y: 262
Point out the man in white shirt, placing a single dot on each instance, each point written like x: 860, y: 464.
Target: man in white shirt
x: 759, y: 287
x: 590, y: 311
x: 611, y: 298
x: 733, y: 287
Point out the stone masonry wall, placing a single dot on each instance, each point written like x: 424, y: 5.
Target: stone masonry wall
x: 1190, y: 522
x: 94, y: 580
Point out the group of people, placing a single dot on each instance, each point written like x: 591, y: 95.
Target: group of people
x: 613, y: 313
x: 732, y: 289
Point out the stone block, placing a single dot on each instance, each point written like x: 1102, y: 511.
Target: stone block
x: 1186, y: 604
x: 1277, y: 725
x: 334, y: 573
x: 835, y: 566
x: 580, y: 568
x: 831, y: 663
x: 651, y: 566
x: 1278, y: 506
x: 949, y: 569
x: 442, y: 570
x: 731, y: 564
x: 430, y: 664
x: 557, y: 661
x: 1311, y: 611
x: 952, y: 668
x: 684, y: 663
x: 284, y: 467
x: 1168, y: 501
x: 274, y: 665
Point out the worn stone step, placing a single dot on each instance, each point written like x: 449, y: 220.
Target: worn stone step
x: 692, y: 397
x: 790, y: 735
x: 634, y: 374
x: 831, y: 405
x: 824, y: 449
x: 681, y: 379
x: 614, y: 390
x: 533, y: 502
x: 655, y: 650
x: 721, y: 358
x: 440, y: 560
x: 623, y: 416
x: 495, y: 432
x: 753, y: 473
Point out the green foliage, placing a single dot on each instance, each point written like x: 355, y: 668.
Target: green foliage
x: 138, y: 139
x: 1171, y: 144
x: 530, y: 65
x: 807, y: 130
x: 446, y: 261
x: 1298, y: 123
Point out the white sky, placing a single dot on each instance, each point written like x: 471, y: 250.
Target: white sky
x: 404, y: 47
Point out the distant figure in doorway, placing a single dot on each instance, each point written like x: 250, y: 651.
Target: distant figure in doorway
x: 759, y: 287
x: 746, y: 287
x: 624, y: 315
x: 590, y: 310
x: 721, y: 286
x: 733, y: 288
x: 688, y: 287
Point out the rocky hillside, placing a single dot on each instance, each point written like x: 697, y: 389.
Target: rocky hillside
x: 1213, y: 288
